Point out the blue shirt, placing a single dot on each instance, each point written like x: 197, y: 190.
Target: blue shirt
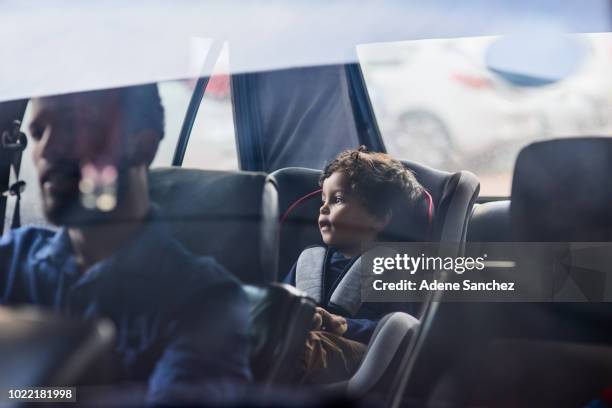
x: 360, y: 326
x: 181, y: 320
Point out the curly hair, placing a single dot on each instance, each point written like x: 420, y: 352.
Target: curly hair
x: 378, y: 180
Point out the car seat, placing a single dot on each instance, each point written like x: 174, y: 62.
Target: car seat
x: 215, y: 213
x: 382, y: 359
x: 446, y: 212
x: 529, y: 354
x: 561, y: 191
x: 296, y: 190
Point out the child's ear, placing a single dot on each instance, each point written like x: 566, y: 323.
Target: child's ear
x: 382, y: 222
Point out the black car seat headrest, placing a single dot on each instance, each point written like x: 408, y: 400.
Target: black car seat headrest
x: 442, y: 215
x: 215, y: 213
x: 562, y: 190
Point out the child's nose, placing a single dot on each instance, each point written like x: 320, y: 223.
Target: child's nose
x: 324, y: 209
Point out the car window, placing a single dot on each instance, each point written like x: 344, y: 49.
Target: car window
x: 30, y: 210
x: 467, y: 103
x: 212, y: 142
x: 175, y: 97
x: 211, y: 145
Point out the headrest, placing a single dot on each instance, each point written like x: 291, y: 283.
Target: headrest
x: 562, y: 191
x: 214, y: 213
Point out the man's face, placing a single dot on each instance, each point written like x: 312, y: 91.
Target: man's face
x: 344, y: 221
x: 73, y: 133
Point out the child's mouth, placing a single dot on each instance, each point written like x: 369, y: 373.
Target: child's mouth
x: 324, y: 226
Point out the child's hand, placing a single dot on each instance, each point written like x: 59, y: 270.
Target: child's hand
x: 317, y: 321
x: 332, y: 323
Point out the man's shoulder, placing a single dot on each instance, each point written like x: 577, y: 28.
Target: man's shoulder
x: 208, y: 270
x: 160, y: 274
x: 200, y: 272
x: 205, y: 287
x: 29, y: 237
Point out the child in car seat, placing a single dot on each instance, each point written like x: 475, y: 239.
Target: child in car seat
x: 361, y: 191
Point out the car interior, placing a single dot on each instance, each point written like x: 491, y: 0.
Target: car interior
x: 256, y: 219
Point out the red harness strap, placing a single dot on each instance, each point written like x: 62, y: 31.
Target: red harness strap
x: 298, y: 202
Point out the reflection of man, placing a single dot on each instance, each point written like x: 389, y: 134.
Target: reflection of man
x: 181, y: 320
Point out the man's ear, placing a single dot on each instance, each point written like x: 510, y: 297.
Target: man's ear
x: 142, y: 146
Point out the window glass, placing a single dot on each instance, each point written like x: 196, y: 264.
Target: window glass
x: 175, y: 97
x: 212, y: 143
x: 31, y: 206
x: 473, y: 103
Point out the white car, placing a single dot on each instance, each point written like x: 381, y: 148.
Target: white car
x: 438, y: 101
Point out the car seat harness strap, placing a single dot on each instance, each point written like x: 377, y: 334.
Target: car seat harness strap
x: 309, y: 278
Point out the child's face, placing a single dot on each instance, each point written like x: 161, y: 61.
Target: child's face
x: 344, y: 222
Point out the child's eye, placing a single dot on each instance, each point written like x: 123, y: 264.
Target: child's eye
x: 338, y: 199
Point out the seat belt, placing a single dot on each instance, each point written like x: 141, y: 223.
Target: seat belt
x: 13, y: 142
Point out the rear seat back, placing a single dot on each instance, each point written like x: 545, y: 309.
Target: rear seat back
x: 215, y: 213
x: 562, y: 191
x: 490, y: 222
x: 298, y: 197
x: 221, y: 214
x: 501, y: 353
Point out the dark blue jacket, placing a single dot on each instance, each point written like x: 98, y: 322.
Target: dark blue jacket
x: 181, y: 320
x: 362, y: 324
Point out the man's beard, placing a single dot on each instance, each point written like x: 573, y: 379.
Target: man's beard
x: 66, y: 208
